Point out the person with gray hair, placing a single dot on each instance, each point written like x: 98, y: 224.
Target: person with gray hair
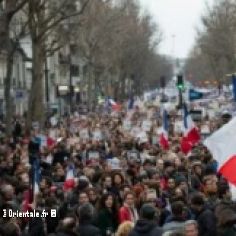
x: 7, y: 193
x: 86, y: 214
x: 173, y: 233
x: 191, y: 228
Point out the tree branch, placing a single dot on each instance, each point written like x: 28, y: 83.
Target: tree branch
x: 17, y: 8
x: 51, y: 51
x: 51, y: 17
x: 60, y: 19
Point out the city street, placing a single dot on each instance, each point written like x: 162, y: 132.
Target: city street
x: 117, y: 118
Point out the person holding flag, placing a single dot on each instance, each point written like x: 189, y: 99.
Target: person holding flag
x: 70, y: 178
x: 191, y: 135
x: 164, y: 143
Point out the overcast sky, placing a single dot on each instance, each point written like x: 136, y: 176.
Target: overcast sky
x: 179, y: 18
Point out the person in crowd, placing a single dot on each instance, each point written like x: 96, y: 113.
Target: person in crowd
x: 45, y: 185
x: 8, y: 196
x: 203, y: 215
x: 182, y: 183
x: 128, y: 211
x: 226, y: 222
x: 171, y: 187
x: 179, y: 194
x: 59, y: 173
x: 107, y: 215
x: 210, y: 185
x: 196, y: 176
x: 147, y: 225
x: 60, y: 154
x: 67, y: 227
x: 225, y: 195
x: 107, y: 183
x: 11, y: 229
x: 124, y: 190
x: 86, y: 214
x: 83, y: 198
x: 117, y: 183
x: 160, y: 165
x: 176, y: 219
x: 191, y: 228
x: 125, y: 228
x: 93, y: 196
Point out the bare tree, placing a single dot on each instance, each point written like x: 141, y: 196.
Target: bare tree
x: 216, y: 42
x: 116, y: 40
x: 45, y: 16
x: 9, y: 45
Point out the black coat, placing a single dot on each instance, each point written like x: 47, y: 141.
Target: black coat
x: 106, y: 219
x: 36, y: 227
x: 206, y: 222
x: 88, y: 229
x: 62, y: 233
x: 59, y: 157
x: 146, y: 228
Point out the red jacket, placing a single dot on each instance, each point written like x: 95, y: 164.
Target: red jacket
x: 124, y: 215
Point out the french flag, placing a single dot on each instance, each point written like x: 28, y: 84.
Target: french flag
x: 191, y: 134
x: 70, y: 178
x: 164, y: 143
x: 115, y: 106
x: 222, y: 145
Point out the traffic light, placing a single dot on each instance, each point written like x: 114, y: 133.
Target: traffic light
x: 180, y: 82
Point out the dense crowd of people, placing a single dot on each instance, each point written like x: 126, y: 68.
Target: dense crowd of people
x: 123, y: 182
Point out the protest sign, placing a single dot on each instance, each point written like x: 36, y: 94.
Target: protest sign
x: 146, y: 125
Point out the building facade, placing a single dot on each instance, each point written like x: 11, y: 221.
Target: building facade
x: 19, y: 87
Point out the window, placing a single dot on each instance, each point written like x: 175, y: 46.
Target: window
x: 85, y: 70
x: 74, y: 70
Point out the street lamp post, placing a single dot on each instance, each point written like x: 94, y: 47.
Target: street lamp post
x: 70, y: 84
x: 180, y: 99
x: 70, y: 67
x: 46, y: 84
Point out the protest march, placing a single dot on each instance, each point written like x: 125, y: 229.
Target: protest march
x: 137, y: 168
x: 117, y: 118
